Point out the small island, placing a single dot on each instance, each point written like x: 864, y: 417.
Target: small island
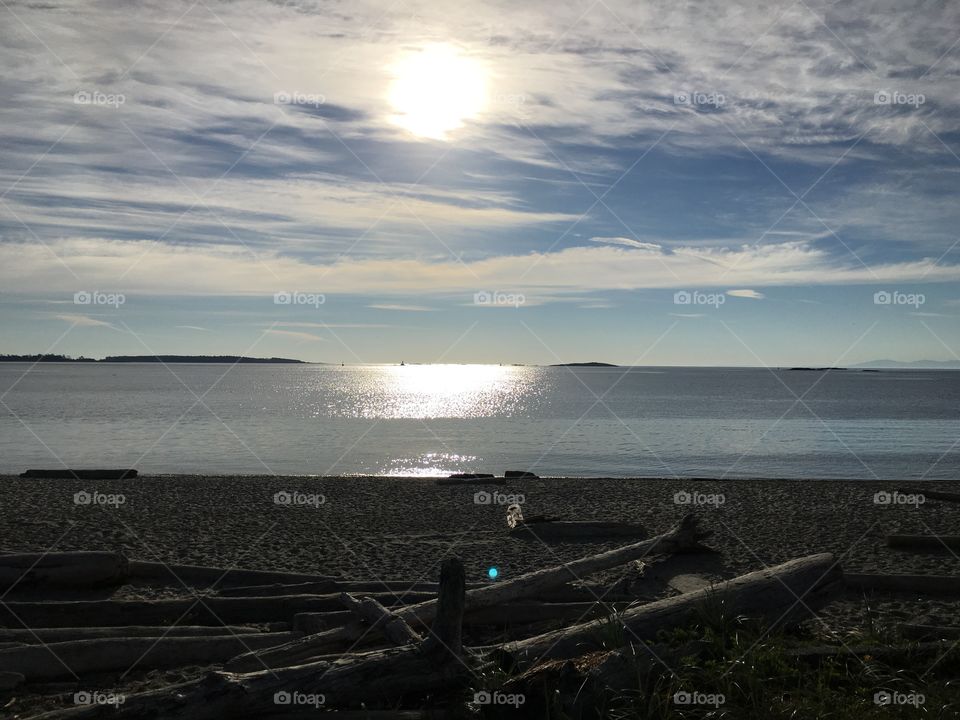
x: 584, y: 364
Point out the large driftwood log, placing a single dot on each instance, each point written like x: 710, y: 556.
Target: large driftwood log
x: 377, y: 616
x: 523, y: 612
x: 34, y: 636
x: 935, y: 543
x: 374, y: 678
x: 770, y: 594
x: 928, y: 632
x: 199, y: 576
x: 919, y: 584
x: 323, y: 587
x: 685, y: 537
x: 933, y: 494
x: 81, y: 474
x: 407, y: 593
x: 212, y: 610
x: 62, y: 660
x: 62, y: 569
x: 885, y: 652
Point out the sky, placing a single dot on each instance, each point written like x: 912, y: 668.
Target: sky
x: 648, y: 183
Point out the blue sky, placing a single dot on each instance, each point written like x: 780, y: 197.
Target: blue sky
x: 172, y: 172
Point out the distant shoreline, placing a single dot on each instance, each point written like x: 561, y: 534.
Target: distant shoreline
x: 873, y: 366
x: 222, y: 359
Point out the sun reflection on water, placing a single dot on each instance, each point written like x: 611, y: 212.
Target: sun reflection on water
x: 433, y: 391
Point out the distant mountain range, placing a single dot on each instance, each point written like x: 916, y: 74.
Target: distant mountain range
x: 232, y: 359
x: 915, y: 364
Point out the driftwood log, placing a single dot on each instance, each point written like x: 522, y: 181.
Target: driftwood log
x: 935, y: 543
x: 928, y: 632
x: 377, y: 677
x: 857, y: 652
x: 52, y: 635
x: 81, y: 474
x: 779, y: 594
x: 377, y: 616
x: 933, y: 494
x: 62, y: 569
x: 919, y: 584
x: 686, y: 537
x: 87, y: 569
x: 399, y: 587
x: 202, y: 577
x: 523, y: 612
x: 64, y: 660
x: 198, y: 611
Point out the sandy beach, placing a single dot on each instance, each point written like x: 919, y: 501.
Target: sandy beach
x: 378, y: 528
x: 391, y: 528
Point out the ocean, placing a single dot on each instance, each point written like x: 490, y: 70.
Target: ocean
x: 440, y: 419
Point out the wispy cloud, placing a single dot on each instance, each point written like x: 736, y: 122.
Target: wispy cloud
x: 541, y: 277
x: 86, y: 321
x: 402, y: 308
x: 296, y: 335
x: 628, y: 242
x: 746, y: 293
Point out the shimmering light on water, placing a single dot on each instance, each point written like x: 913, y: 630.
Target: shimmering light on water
x: 439, y: 419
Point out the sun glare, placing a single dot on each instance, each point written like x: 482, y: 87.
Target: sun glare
x: 436, y: 89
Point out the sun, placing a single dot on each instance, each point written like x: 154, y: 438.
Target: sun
x: 436, y: 89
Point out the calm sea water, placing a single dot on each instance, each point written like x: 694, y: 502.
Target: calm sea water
x: 433, y: 420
